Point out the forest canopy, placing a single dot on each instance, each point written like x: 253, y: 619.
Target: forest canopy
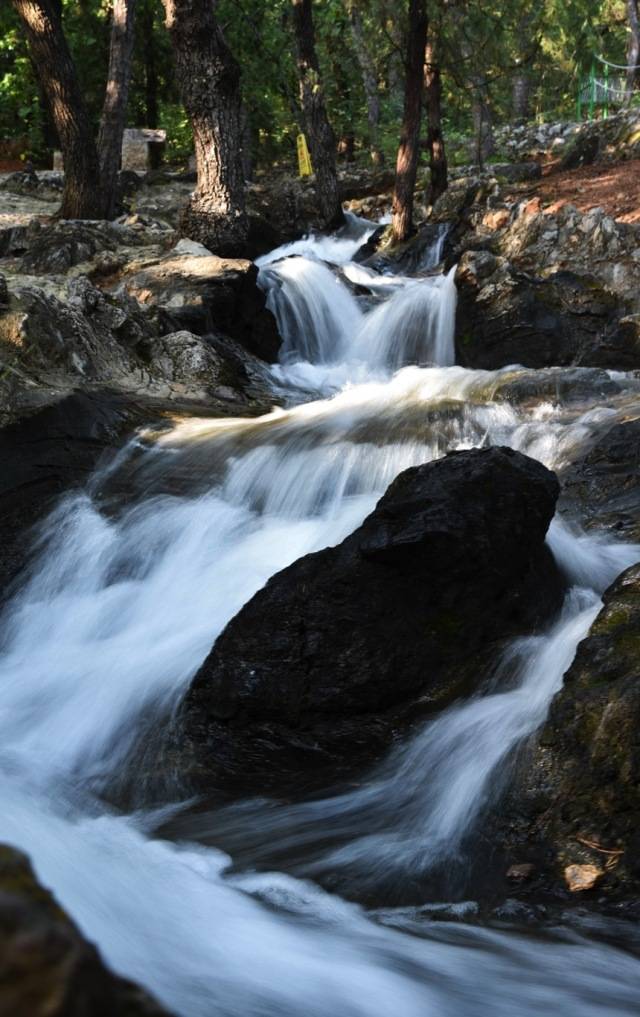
x: 525, y: 61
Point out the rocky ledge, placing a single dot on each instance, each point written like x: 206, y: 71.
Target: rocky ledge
x: 572, y: 822
x: 348, y: 645
x: 93, y: 304
x: 539, y: 289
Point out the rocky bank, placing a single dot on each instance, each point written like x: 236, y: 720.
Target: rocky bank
x: 47, y: 967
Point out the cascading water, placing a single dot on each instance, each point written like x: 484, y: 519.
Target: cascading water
x: 120, y: 609
x: 316, y: 314
x: 322, y: 323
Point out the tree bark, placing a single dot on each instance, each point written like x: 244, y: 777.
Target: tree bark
x: 633, y: 48
x: 408, y: 151
x: 150, y: 64
x: 435, y: 139
x: 322, y: 144
x: 83, y: 197
x: 114, y: 110
x: 482, y: 121
x: 527, y: 45
x: 209, y: 80
x: 369, y: 78
x: 520, y: 95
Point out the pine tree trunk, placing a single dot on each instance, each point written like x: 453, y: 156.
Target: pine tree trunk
x: 369, y: 78
x: 83, y: 196
x: 482, y: 120
x: 114, y: 110
x: 633, y: 48
x: 150, y: 64
x: 322, y: 143
x: 435, y: 138
x: 390, y: 17
x: 209, y: 79
x: 408, y: 151
x: 520, y: 94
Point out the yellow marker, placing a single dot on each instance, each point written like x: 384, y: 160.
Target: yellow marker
x: 304, y: 159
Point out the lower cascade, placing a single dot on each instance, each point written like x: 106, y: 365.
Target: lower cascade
x: 323, y: 905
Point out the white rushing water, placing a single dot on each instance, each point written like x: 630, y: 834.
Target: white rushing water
x: 120, y: 609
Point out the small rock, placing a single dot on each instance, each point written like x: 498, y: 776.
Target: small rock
x: 192, y: 247
x: 517, y: 911
x: 496, y: 219
x: 582, y: 877
x: 521, y: 872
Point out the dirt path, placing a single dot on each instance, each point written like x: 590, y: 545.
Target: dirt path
x: 612, y: 186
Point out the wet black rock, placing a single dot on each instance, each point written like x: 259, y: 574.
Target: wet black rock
x: 345, y: 646
x: 604, y: 483
x: 576, y: 806
x: 48, y: 453
x: 416, y: 255
x: 48, y: 968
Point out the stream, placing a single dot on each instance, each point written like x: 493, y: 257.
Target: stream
x: 122, y: 603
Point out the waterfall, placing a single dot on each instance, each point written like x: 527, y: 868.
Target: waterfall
x: 121, y: 606
x: 416, y: 326
x: 321, y: 322
x: 317, y: 316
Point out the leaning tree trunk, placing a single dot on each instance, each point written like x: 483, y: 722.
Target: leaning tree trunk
x: 83, y: 196
x: 114, y: 110
x: 369, y: 78
x: 209, y: 79
x: 435, y: 139
x: 322, y: 144
x: 633, y: 49
x: 408, y: 151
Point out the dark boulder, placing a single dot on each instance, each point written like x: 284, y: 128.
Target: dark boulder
x: 48, y: 968
x: 423, y: 251
x: 604, y: 483
x: 575, y: 810
x: 505, y: 316
x: 516, y: 172
x: 51, y: 451
x: 202, y: 293
x: 582, y: 151
x: 318, y: 670
x: 459, y: 197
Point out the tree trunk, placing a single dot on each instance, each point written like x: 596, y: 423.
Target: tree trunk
x: 435, y: 138
x: 520, y: 95
x: 369, y: 78
x: 209, y: 79
x: 150, y: 64
x: 407, y: 161
x: 484, y: 143
x: 527, y: 46
x: 633, y: 48
x: 114, y: 110
x: 83, y: 197
x: 390, y: 16
x: 322, y: 144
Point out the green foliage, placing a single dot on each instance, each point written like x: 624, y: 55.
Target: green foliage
x: 175, y: 122
x: 552, y: 43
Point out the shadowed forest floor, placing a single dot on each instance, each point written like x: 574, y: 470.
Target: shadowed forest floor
x: 615, y: 187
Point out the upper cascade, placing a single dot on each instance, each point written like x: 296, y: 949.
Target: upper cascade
x: 322, y: 321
